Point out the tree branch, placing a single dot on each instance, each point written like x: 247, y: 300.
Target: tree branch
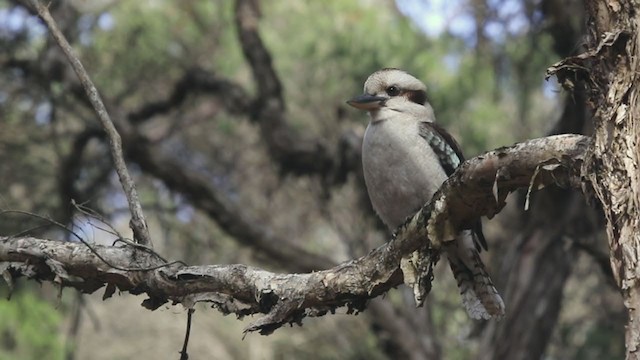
x: 483, y: 183
x: 138, y: 222
x: 477, y: 188
x: 294, y: 152
x: 233, y: 96
x: 231, y: 218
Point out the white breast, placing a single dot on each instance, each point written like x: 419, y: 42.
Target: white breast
x: 400, y: 170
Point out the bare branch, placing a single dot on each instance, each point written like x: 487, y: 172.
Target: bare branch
x: 138, y: 222
x: 288, y: 298
x: 294, y: 152
x: 480, y: 185
x: 233, y: 96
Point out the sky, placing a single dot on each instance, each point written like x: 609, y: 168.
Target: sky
x: 434, y: 17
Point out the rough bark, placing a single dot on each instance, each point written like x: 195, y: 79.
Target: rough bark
x: 611, y: 68
x: 613, y: 168
x: 477, y: 188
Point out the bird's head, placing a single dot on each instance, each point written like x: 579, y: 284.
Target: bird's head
x: 392, y: 89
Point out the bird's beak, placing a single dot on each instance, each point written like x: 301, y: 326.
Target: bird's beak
x: 367, y: 102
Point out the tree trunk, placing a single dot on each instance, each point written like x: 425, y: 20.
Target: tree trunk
x: 613, y: 165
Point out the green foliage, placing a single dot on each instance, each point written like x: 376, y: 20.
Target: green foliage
x: 322, y: 61
x: 161, y: 38
x: 29, y: 328
x: 330, y: 56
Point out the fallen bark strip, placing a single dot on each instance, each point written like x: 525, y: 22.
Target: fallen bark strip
x: 478, y: 188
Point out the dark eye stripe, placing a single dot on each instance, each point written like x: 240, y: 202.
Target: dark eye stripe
x: 417, y: 96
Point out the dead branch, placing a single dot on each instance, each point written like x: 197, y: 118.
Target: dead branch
x: 138, y: 222
x: 478, y: 188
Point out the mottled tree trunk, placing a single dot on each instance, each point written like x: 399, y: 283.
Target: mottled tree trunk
x: 613, y: 167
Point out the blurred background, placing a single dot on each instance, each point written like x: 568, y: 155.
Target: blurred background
x: 235, y: 127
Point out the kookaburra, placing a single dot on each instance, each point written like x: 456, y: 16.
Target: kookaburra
x: 406, y: 157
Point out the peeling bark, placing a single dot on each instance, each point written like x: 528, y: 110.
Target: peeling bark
x: 613, y: 165
x: 477, y: 188
x: 611, y: 67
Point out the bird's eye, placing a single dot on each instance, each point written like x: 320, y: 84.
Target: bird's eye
x: 393, y: 90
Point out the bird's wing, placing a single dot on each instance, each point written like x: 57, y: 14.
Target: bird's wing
x: 443, y: 144
x: 450, y: 155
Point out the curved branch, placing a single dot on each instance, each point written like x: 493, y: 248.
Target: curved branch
x: 233, y: 219
x: 233, y: 96
x: 480, y: 186
x: 287, y: 298
x: 294, y: 152
x: 247, y: 15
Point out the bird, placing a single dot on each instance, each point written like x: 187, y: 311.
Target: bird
x: 406, y: 157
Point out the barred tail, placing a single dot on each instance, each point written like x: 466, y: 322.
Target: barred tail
x: 479, y: 296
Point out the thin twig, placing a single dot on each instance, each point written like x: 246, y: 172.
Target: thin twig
x: 91, y: 247
x: 138, y: 223
x: 90, y: 213
x: 183, y: 353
